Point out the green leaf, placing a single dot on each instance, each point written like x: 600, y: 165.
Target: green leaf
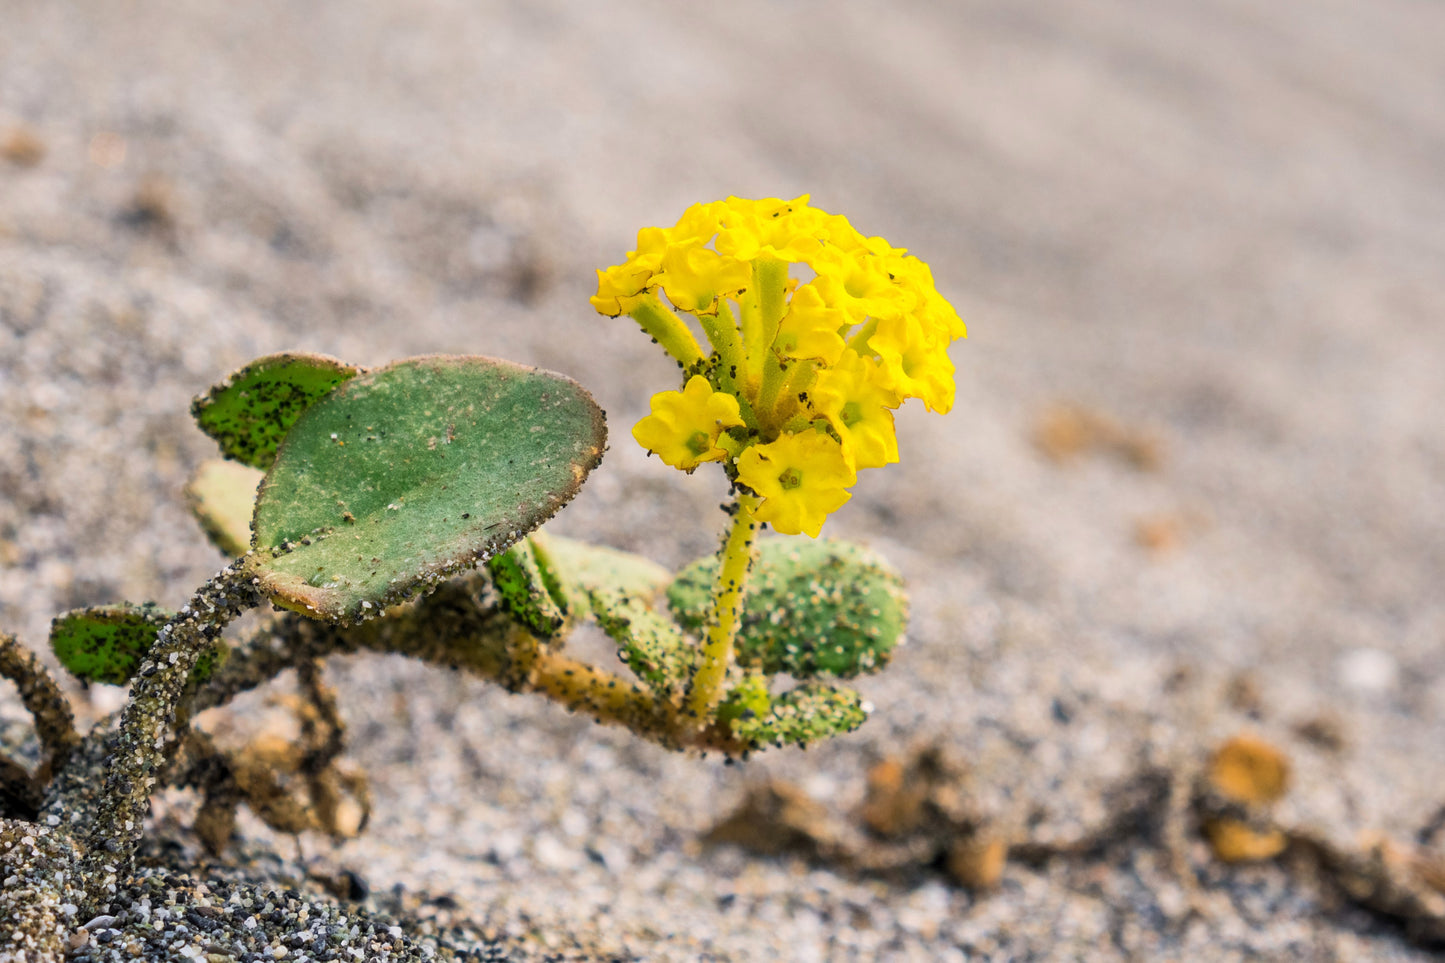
x: 252, y: 410
x: 106, y: 643
x: 222, y: 496
x: 652, y: 645
x: 806, y: 714
x: 411, y: 472
x: 814, y: 607
x: 749, y: 699
x: 546, y: 582
x: 575, y: 570
x: 522, y: 590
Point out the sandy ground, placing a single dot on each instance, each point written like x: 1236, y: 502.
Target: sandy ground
x: 1220, y: 225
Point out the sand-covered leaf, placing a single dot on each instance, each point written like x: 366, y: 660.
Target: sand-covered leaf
x: 806, y: 714
x: 523, y: 592
x: 250, y: 412
x: 409, y: 473
x: 575, y: 570
x: 106, y: 643
x: 222, y: 496
x: 651, y: 644
x: 814, y: 607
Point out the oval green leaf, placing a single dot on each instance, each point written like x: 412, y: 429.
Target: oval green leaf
x: 580, y: 569
x: 106, y: 643
x: 813, y: 607
x: 808, y: 713
x: 409, y: 473
x: 251, y: 411
x: 522, y: 590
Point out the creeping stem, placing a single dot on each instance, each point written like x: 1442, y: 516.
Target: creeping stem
x: 138, y: 747
x: 54, y: 724
x: 728, y: 594
x: 457, y: 626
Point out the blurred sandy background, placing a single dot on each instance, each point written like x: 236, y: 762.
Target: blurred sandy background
x: 1215, y: 231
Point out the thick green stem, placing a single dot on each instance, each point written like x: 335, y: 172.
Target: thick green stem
x: 728, y: 594
x: 667, y: 329
x: 137, y: 750
x: 722, y: 331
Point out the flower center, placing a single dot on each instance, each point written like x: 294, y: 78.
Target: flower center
x: 699, y: 443
x: 790, y: 479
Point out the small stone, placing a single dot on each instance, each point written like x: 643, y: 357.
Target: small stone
x: 977, y: 863
x: 1249, y: 770
x: 1368, y: 671
x: 1235, y: 842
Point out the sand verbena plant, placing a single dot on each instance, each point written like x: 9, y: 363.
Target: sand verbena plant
x: 389, y: 509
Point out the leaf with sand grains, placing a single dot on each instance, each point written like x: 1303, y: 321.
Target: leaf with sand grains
x: 413, y: 472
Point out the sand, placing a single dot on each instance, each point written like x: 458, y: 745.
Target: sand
x: 1213, y: 232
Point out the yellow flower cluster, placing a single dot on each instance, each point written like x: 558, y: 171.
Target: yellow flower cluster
x: 798, y: 390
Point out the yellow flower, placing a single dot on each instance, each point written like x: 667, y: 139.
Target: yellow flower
x: 694, y: 277
x: 810, y: 328
x: 788, y: 231
x: 937, y: 314
x: 868, y: 330
x: 855, y: 398
x: 915, y: 361
x: 620, y: 287
x: 699, y: 222
x: 684, y: 426
x: 861, y: 286
x: 802, y: 479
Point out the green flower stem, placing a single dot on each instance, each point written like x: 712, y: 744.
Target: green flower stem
x: 792, y: 401
x: 859, y: 339
x: 728, y: 593
x: 770, y: 288
x: 771, y: 276
x: 775, y: 375
x: 137, y: 750
x: 750, y: 323
x: 731, y: 374
x: 667, y: 329
x: 722, y: 332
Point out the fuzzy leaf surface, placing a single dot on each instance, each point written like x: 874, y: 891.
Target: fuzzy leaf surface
x: 814, y: 607
x: 409, y: 473
x: 522, y: 590
x: 806, y: 714
x: 576, y: 570
x: 651, y: 644
x: 108, y: 643
x: 250, y: 412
